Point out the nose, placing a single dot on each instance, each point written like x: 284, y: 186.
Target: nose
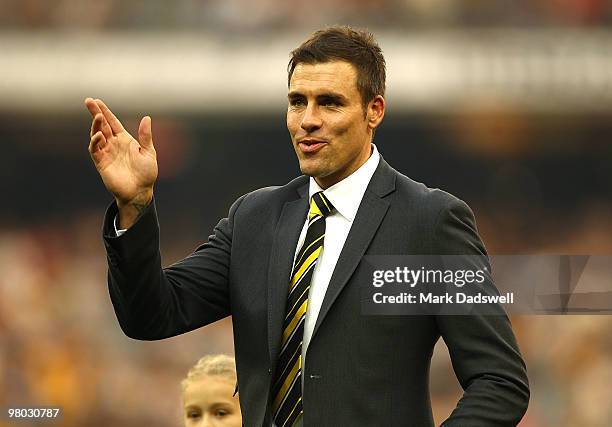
x: 311, y: 120
x: 207, y: 421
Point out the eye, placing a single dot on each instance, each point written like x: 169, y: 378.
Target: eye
x: 221, y: 413
x: 331, y: 102
x: 297, y: 102
x: 194, y: 414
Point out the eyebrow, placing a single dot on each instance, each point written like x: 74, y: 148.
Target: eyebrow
x: 328, y: 95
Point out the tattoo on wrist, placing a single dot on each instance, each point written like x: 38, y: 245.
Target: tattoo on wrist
x: 140, y: 208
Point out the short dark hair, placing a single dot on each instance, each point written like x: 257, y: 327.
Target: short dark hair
x: 358, y: 47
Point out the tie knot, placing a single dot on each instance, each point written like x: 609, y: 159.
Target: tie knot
x: 320, y: 205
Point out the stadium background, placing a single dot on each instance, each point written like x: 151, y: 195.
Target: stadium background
x: 507, y: 104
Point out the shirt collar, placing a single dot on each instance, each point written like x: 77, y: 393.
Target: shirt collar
x: 346, y: 195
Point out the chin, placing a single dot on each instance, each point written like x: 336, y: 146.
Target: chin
x: 315, y: 168
x: 309, y: 172
x: 309, y: 169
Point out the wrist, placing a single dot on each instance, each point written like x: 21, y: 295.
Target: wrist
x: 141, y: 200
x: 130, y: 211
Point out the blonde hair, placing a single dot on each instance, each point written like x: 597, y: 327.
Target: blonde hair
x: 219, y: 365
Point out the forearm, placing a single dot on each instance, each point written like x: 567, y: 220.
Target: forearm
x: 491, y: 371
x: 137, y: 285
x: 154, y: 303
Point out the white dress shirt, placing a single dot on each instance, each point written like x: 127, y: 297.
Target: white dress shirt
x: 346, y: 197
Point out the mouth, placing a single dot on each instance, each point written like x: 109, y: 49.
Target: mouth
x: 310, y: 145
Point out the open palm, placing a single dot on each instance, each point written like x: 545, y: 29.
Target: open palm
x: 128, y: 167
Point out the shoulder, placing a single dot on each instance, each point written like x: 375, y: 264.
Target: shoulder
x: 435, y: 215
x: 417, y: 195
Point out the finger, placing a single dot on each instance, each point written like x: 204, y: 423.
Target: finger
x: 96, y: 124
x: 113, y: 121
x: 97, y: 142
x: 145, y: 132
x: 106, y: 129
x: 92, y: 107
x: 100, y: 124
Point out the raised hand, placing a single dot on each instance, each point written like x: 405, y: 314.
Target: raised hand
x: 127, y: 167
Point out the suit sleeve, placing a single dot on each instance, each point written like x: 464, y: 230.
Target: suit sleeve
x: 152, y: 302
x: 483, y: 349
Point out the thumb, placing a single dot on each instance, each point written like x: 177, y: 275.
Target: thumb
x: 145, y: 134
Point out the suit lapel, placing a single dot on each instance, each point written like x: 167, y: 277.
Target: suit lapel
x: 281, y: 259
x: 370, y: 214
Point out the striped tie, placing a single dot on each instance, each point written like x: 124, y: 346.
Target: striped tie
x: 287, y: 388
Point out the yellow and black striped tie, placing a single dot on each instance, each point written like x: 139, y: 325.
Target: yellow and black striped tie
x: 287, y: 387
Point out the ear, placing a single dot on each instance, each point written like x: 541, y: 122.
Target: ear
x: 375, y: 112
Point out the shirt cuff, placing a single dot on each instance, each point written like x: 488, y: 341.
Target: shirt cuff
x: 118, y: 232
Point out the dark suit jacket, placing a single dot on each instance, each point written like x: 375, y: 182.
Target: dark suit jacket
x: 360, y: 370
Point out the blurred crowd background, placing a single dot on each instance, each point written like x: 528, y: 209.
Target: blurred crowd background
x: 537, y: 174
x: 273, y: 15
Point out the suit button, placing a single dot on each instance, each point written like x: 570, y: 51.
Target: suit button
x: 269, y: 371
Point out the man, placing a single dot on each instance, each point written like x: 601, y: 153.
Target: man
x: 282, y: 263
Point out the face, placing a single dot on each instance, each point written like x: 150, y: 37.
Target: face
x: 330, y: 131
x: 208, y: 402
